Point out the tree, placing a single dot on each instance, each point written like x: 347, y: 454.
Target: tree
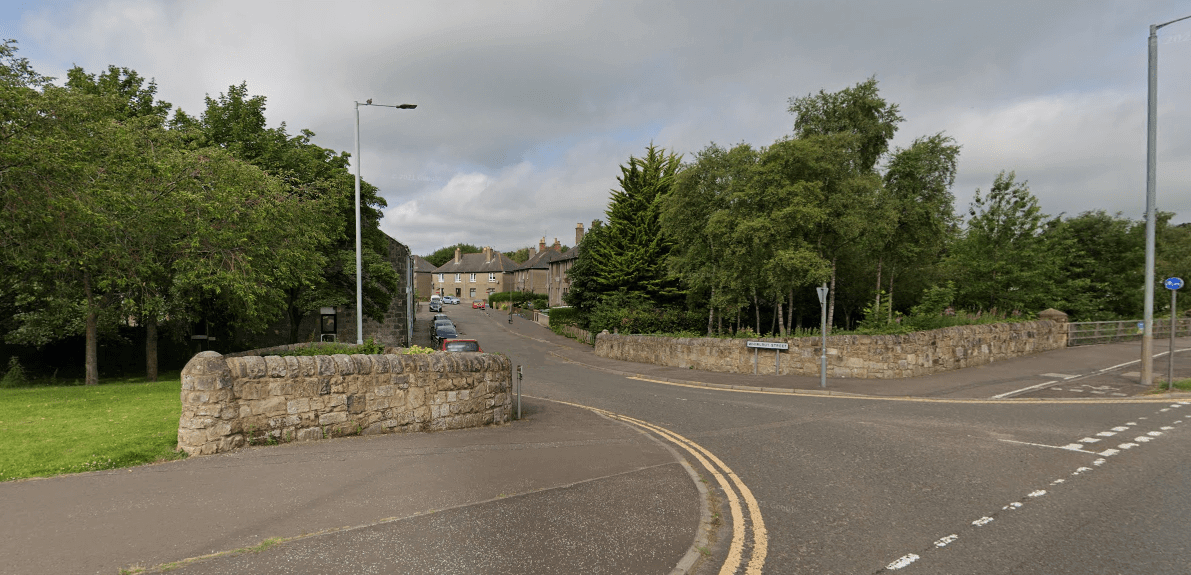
x: 1002, y: 261
x: 630, y: 253
x: 854, y: 127
x: 917, y: 192
x: 445, y: 254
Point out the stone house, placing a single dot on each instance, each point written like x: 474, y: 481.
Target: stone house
x: 557, y: 281
x: 471, y: 277
x: 532, y: 276
x: 423, y: 278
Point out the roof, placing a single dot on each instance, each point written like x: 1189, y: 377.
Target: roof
x: 421, y: 265
x: 474, y: 263
x: 540, y: 260
x: 570, y: 254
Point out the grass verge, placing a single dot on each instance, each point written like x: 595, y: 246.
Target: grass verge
x: 47, y: 431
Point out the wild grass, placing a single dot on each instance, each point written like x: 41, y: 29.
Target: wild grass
x: 52, y: 430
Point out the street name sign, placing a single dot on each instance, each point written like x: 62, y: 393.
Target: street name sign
x: 768, y: 345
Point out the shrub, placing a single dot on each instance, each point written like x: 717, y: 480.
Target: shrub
x: 15, y: 376
x: 520, y: 299
x: 564, y: 316
x: 369, y: 347
x: 634, y: 313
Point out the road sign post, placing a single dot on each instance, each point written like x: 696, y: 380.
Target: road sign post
x: 775, y: 346
x: 822, y: 291
x: 1172, y: 284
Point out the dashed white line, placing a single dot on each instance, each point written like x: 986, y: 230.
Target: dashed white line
x: 1153, y: 433
x: 982, y: 521
x: 1120, y: 429
x: 1099, y: 462
x: 1127, y: 446
x: 1083, y: 469
x: 1057, y: 481
x: 1142, y: 439
x: 1012, y: 506
x: 903, y: 562
x: 1038, y: 493
x: 1166, y: 428
x: 1090, y: 440
x: 1109, y: 452
x: 1106, y: 434
x: 946, y: 540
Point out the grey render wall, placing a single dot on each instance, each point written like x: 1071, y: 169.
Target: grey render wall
x: 858, y: 356
x: 228, y: 402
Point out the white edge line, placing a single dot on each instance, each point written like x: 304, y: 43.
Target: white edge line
x: 1024, y: 389
x: 1050, y: 446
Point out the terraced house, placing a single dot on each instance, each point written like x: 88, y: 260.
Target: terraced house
x: 472, y: 277
x: 533, y: 275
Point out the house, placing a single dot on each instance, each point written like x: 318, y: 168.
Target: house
x: 423, y: 274
x: 532, y: 275
x: 557, y: 281
x: 471, y: 277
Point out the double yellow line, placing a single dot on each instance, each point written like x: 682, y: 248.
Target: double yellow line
x: 730, y: 483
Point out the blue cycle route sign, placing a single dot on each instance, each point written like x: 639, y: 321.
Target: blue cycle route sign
x: 1174, y: 283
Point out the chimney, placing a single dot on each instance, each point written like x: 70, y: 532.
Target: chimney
x: 578, y: 233
x: 487, y: 254
x: 542, y: 244
x: 557, y: 246
x: 532, y: 251
x: 456, y: 255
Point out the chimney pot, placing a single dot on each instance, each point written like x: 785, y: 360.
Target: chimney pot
x: 542, y: 244
x: 578, y: 233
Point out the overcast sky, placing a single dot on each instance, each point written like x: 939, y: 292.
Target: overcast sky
x: 526, y: 109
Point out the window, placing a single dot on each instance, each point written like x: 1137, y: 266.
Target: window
x: 472, y: 293
x: 473, y: 278
x: 457, y: 277
x: 439, y: 278
x: 491, y: 278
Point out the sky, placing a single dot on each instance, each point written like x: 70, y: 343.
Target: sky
x: 527, y: 110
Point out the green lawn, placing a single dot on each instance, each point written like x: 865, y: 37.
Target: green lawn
x: 47, y: 431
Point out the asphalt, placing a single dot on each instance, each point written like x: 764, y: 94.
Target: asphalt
x: 561, y: 490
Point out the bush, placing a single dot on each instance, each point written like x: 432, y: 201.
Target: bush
x: 15, y: 376
x: 520, y: 299
x: 634, y: 313
x: 564, y: 316
x: 369, y: 347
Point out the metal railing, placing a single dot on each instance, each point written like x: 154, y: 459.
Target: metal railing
x: 1096, y: 332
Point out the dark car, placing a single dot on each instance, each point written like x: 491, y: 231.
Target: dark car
x: 461, y: 345
x: 435, y: 306
x: 439, y: 316
x: 439, y: 324
x: 442, y: 332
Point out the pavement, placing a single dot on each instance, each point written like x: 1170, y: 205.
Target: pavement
x: 564, y: 489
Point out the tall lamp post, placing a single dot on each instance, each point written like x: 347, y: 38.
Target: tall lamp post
x: 1147, y: 337
x: 359, y: 264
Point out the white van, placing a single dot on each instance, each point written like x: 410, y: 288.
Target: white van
x: 435, y: 298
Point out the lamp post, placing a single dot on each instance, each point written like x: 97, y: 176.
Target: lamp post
x: 1147, y: 336
x: 359, y: 264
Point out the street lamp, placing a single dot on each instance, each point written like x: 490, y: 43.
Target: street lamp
x: 1147, y: 337
x: 359, y: 264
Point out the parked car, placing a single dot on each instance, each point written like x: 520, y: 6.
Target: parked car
x: 439, y: 324
x: 478, y: 304
x: 436, y: 306
x: 461, y: 345
x: 439, y: 316
x: 442, y: 332
x: 450, y: 299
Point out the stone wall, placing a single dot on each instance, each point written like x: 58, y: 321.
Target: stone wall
x: 858, y: 356
x: 228, y: 402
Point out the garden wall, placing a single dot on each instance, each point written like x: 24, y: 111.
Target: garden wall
x: 857, y: 356
x: 228, y: 402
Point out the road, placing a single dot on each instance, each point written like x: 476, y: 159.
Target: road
x: 848, y: 485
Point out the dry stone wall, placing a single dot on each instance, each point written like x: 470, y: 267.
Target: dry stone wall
x: 857, y: 356
x: 228, y: 402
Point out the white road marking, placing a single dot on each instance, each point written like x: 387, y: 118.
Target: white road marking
x: 1024, y: 389
x: 1038, y: 493
x: 1153, y: 433
x: 1012, y: 506
x: 1109, y: 452
x: 1057, y: 481
x: 1163, y: 409
x: 1127, y: 446
x: 1177, y: 405
x: 1106, y: 434
x: 1099, y: 462
x: 1120, y: 428
x: 1142, y: 439
x: 1065, y: 447
x: 1083, y: 469
x: 1166, y: 427
x: 1089, y: 440
x: 1185, y: 403
x: 903, y: 562
x: 982, y: 521
x: 1118, y: 394
x: 1098, y: 392
x: 1131, y: 423
x: 1057, y: 375
x: 946, y: 540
